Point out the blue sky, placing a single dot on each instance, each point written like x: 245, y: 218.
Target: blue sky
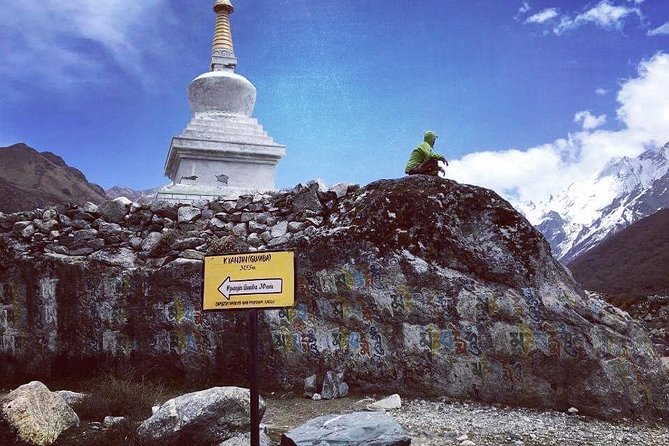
x: 525, y: 95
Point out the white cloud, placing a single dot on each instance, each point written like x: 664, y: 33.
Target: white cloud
x: 661, y: 30
x: 543, y: 16
x: 55, y: 41
x: 589, y: 121
x: 601, y: 91
x: 604, y: 14
x: 534, y: 174
x: 525, y: 7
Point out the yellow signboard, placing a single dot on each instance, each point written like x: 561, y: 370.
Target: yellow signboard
x: 263, y: 279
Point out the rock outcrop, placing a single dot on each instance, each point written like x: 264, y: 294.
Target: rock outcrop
x: 417, y: 285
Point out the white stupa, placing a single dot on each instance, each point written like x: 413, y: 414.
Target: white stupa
x: 222, y: 151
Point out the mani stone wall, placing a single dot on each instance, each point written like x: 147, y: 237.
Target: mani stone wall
x: 418, y: 285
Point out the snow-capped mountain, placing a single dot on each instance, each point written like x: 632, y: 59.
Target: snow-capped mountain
x: 585, y: 213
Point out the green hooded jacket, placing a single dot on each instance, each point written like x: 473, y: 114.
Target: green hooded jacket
x: 423, y: 152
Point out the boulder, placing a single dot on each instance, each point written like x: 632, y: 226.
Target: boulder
x: 187, y: 214
x: 307, y: 199
x: 199, y: 419
x: 343, y: 390
x: 310, y: 387
x: 392, y: 402
x: 279, y: 229
x: 339, y: 190
x: 355, y: 429
x: 331, y: 385
x: 417, y: 286
x: 114, y: 211
x: 90, y: 208
x: 38, y: 415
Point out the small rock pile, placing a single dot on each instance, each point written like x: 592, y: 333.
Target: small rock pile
x: 333, y: 386
x: 155, y: 234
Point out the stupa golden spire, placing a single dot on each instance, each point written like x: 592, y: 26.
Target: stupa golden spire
x: 223, y: 52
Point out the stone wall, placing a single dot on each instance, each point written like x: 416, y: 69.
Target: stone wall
x: 418, y: 285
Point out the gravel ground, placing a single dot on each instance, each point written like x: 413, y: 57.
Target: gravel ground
x: 433, y: 423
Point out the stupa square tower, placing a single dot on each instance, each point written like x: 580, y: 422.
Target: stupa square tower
x: 222, y: 151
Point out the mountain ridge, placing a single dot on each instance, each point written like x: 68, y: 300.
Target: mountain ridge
x: 587, y: 212
x: 29, y: 179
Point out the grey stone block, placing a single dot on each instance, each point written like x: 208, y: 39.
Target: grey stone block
x: 355, y: 429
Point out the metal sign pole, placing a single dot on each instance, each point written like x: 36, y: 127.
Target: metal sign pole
x: 255, y: 402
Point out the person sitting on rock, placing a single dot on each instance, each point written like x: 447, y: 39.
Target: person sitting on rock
x: 423, y: 159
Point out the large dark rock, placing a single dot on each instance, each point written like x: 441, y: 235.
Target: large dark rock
x: 355, y: 429
x: 418, y: 285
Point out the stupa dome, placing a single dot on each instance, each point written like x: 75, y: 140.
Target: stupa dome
x: 222, y: 92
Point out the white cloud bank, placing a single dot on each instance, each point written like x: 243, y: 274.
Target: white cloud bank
x: 534, y: 174
x: 604, y: 14
x: 57, y: 42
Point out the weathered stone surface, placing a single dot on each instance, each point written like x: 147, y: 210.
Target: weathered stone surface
x: 243, y: 201
x: 201, y: 418
x: 109, y: 229
x: 339, y: 189
x: 278, y: 241
x: 71, y: 397
x: 418, y: 285
x: 188, y: 214
x: 343, y: 390
x: 245, y: 440
x: 392, y: 402
x: 296, y: 226
x: 307, y: 200
x: 310, y: 386
x: 355, y: 429
x: 331, y: 384
x: 217, y: 224
x: 187, y: 243
x: 122, y: 257
x: 257, y: 227
x: 110, y: 421
x: 38, y: 415
x: 28, y: 231
x: 151, y: 241
x: 192, y: 254
x: 279, y: 229
x: 90, y: 208
x: 254, y: 240
x: 114, y: 211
